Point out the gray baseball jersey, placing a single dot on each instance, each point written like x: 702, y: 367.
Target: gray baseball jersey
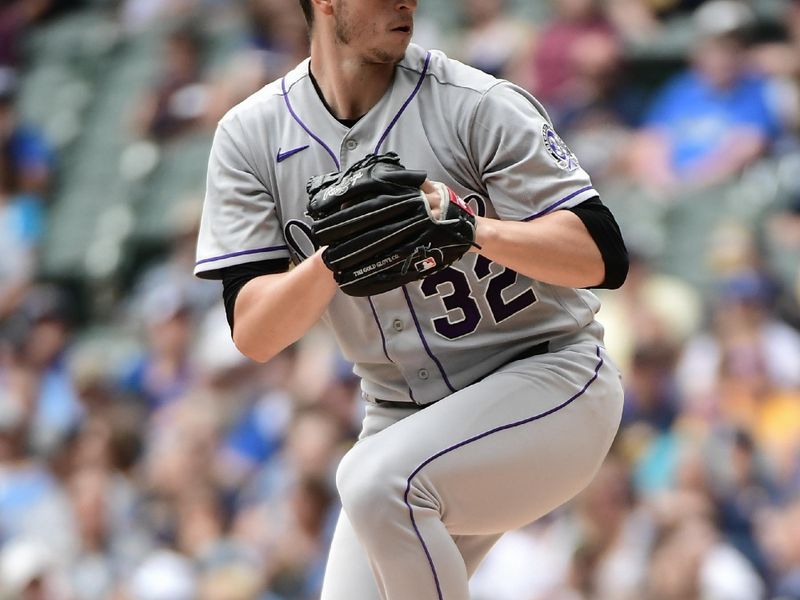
x: 487, y: 139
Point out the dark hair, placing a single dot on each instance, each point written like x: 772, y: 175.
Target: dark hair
x: 307, y: 11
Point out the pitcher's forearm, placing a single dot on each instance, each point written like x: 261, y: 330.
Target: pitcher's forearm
x: 274, y: 311
x: 555, y: 249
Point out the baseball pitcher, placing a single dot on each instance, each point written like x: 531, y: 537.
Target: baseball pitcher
x: 449, y: 237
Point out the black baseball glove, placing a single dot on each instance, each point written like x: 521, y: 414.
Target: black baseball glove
x: 378, y: 226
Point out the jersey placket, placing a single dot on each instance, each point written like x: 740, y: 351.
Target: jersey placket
x: 349, y: 149
x: 408, y: 347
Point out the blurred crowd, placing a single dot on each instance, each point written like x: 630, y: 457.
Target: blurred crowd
x: 143, y: 458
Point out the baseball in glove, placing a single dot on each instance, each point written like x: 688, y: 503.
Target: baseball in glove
x: 378, y: 225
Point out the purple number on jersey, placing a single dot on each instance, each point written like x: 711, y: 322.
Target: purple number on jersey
x: 502, y: 309
x: 461, y: 298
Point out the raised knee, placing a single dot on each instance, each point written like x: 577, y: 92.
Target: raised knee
x: 369, y: 487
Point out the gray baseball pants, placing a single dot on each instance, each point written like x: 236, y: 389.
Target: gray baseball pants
x: 426, y: 493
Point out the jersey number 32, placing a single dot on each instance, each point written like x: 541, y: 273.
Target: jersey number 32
x: 461, y: 298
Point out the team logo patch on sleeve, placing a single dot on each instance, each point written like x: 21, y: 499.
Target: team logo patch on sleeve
x: 564, y: 157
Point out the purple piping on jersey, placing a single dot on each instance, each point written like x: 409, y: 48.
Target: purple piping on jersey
x: 425, y: 342
x: 383, y: 341
x: 557, y: 204
x: 474, y: 439
x: 405, y: 104
x: 242, y: 253
x: 380, y: 329
x: 303, y: 125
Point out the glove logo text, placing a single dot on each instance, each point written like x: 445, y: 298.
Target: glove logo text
x: 377, y: 265
x: 342, y: 188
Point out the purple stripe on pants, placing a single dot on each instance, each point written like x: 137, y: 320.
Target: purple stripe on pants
x: 474, y: 439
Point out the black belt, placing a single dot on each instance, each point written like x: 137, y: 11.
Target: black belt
x: 536, y: 350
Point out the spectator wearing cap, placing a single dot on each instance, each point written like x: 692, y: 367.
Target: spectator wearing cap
x: 715, y: 119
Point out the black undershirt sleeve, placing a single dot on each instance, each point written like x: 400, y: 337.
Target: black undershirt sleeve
x: 234, y: 278
x: 605, y: 232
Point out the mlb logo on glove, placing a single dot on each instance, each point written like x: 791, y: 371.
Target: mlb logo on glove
x: 425, y: 265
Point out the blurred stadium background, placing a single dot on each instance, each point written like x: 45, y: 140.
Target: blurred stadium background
x: 141, y: 458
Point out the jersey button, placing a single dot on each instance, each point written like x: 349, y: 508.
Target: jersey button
x: 423, y: 373
x: 351, y: 145
x: 398, y: 325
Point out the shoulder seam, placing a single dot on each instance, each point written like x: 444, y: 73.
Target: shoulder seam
x: 294, y: 83
x: 447, y: 83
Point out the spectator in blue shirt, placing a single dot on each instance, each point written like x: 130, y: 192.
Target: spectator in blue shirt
x: 713, y: 120
x: 25, y: 170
